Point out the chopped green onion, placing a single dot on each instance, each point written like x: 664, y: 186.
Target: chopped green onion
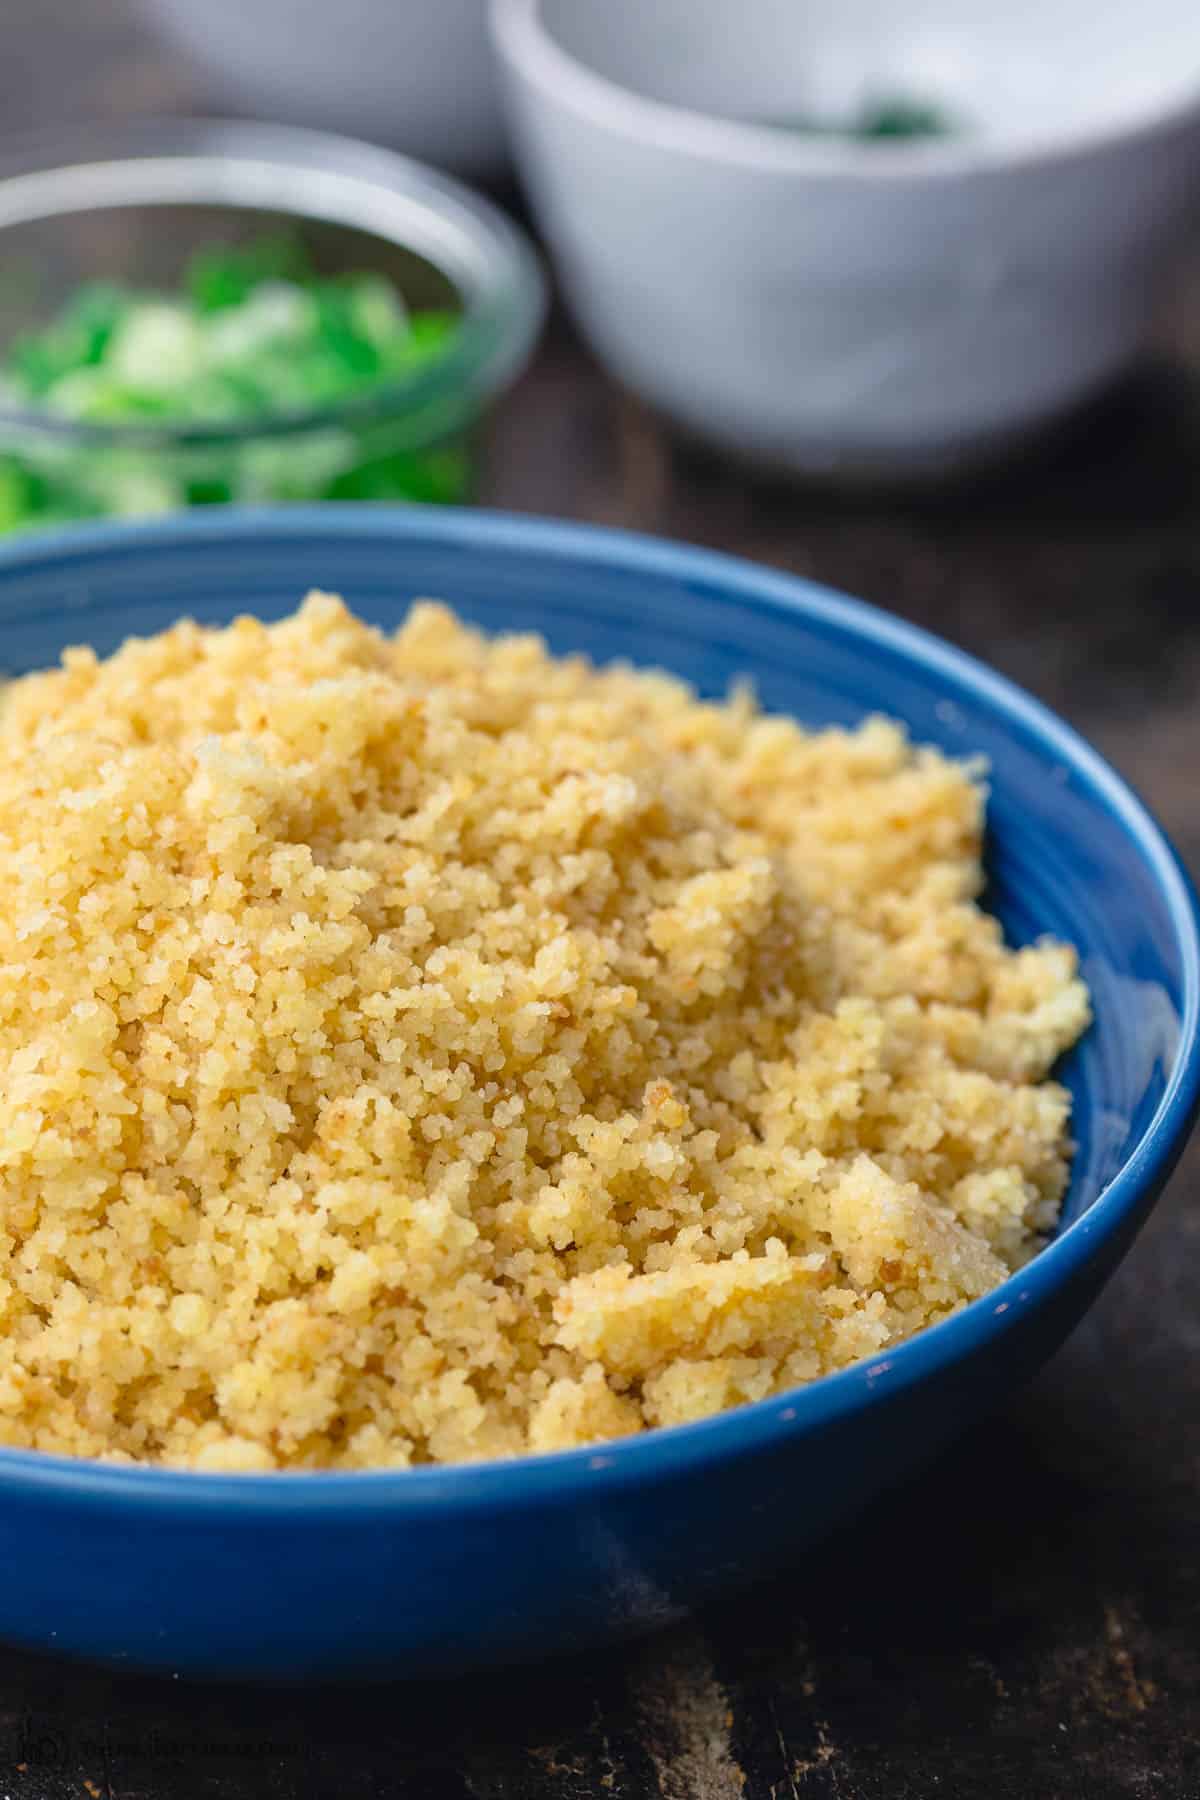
x: 888, y: 116
x: 253, y: 333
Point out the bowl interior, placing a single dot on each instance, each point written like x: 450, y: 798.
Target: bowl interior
x: 1071, y: 852
x: 1009, y: 72
x: 150, y: 246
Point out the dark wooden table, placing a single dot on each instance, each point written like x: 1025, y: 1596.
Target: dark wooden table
x: 1024, y: 1622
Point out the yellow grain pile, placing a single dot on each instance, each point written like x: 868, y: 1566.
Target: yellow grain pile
x: 425, y: 1049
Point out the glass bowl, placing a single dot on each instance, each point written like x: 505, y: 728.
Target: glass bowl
x: 132, y: 203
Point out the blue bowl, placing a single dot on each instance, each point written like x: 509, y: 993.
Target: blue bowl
x: 440, y: 1570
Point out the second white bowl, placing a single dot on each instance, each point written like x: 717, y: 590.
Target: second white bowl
x: 414, y: 74
x: 853, y: 308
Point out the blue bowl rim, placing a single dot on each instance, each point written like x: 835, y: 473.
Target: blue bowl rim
x: 667, y: 1452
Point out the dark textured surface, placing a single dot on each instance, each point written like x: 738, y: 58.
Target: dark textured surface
x: 1023, y: 1623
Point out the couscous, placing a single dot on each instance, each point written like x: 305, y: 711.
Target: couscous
x: 426, y: 1049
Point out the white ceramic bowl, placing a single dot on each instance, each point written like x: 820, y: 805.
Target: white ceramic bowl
x: 415, y: 74
x: 856, y: 308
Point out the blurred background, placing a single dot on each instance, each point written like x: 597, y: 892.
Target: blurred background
x: 902, y: 298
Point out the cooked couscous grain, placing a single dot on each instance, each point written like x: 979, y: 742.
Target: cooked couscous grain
x: 424, y: 1049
